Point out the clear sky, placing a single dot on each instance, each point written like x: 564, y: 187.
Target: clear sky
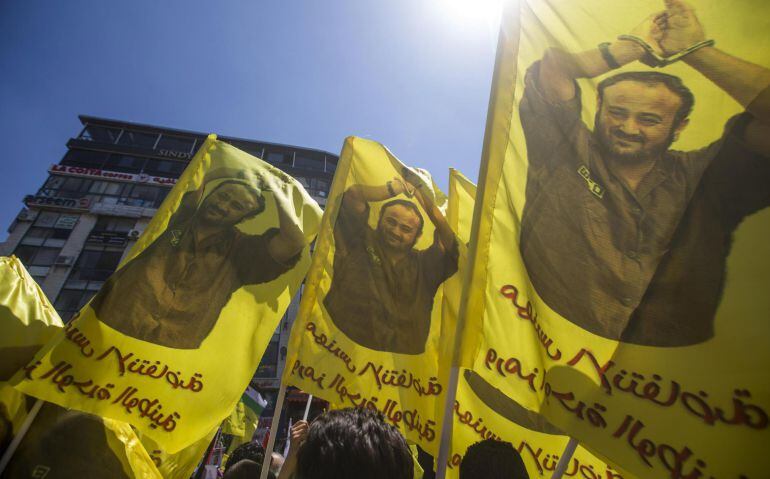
x: 411, y: 74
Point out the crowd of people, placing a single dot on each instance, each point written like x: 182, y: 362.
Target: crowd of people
x: 357, y: 442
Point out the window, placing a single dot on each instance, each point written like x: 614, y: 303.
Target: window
x: 65, y: 187
x: 93, y: 267
x: 175, y: 143
x: 278, y: 158
x: 102, y: 134
x: 44, y: 240
x: 331, y: 164
x: 167, y: 168
x: 35, y: 256
x: 145, y: 194
x: 307, y: 163
x: 268, y: 366
x: 70, y: 301
x: 37, y: 236
x: 114, y: 224
x: 85, y: 158
x: 138, y: 138
x: 255, y: 151
x: 126, y: 163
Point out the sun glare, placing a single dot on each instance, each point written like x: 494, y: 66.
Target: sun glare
x: 473, y: 11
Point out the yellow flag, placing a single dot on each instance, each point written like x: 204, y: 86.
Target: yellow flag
x: 59, y: 443
x: 368, y: 332
x: 539, y: 444
x: 27, y: 318
x: 181, y: 464
x: 621, y: 262
x: 27, y: 321
x: 65, y: 443
x: 173, y: 337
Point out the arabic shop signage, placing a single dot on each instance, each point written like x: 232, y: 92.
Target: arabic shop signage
x: 110, y: 175
x: 58, y: 202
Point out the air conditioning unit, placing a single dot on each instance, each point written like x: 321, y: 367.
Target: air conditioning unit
x: 134, y: 234
x: 62, y: 260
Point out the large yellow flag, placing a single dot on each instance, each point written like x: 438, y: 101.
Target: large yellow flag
x: 541, y: 446
x: 622, y: 263
x: 27, y: 318
x: 172, y: 339
x: 369, y: 328
x: 27, y: 321
x: 58, y: 443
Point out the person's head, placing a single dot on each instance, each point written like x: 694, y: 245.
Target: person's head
x: 490, y: 459
x: 400, y: 225
x: 640, y: 114
x: 231, y: 202
x: 276, y: 462
x: 353, y: 443
x: 250, y: 450
x: 246, y: 469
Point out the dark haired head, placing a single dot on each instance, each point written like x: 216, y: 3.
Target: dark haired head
x: 406, y: 204
x: 245, y: 469
x: 490, y: 459
x: 250, y: 450
x: 259, y: 198
x: 671, y: 82
x: 351, y: 444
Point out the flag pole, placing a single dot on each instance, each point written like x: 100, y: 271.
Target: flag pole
x: 273, y: 431
x: 447, y: 422
x: 307, y: 407
x: 566, y: 456
x: 20, y: 435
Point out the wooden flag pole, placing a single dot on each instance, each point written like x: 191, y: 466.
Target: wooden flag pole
x: 307, y: 407
x: 273, y: 431
x: 20, y: 435
x: 566, y: 456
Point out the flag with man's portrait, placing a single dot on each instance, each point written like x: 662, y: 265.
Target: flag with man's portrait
x: 475, y: 421
x: 369, y: 332
x: 173, y: 337
x: 621, y: 261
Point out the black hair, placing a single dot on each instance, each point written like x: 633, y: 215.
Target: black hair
x: 405, y: 204
x: 258, y: 197
x: 353, y: 443
x: 250, y: 450
x: 490, y: 459
x: 245, y: 469
x: 671, y: 82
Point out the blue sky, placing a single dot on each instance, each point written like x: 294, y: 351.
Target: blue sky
x: 411, y: 74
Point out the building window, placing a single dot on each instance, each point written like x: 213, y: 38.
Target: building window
x: 125, y: 163
x: 101, y: 134
x: 93, y: 267
x: 114, y: 224
x: 307, y: 163
x: 268, y: 366
x: 167, y: 168
x: 175, y: 143
x: 70, y: 301
x: 142, y: 195
x: 42, y: 243
x: 331, y: 164
x: 37, y: 256
x: 85, y: 158
x: 138, y: 138
x: 279, y: 158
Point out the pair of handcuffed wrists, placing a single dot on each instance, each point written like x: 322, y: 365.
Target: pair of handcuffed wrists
x: 651, y: 57
x: 392, y: 192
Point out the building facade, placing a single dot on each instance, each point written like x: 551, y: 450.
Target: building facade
x: 75, y: 229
